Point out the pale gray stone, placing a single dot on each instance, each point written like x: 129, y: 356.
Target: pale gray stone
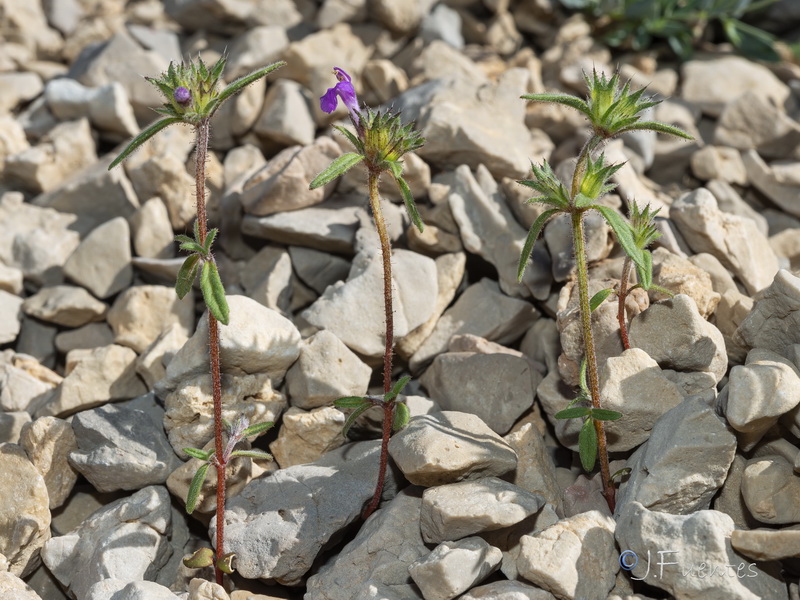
x: 305, y: 436
x: 165, y: 177
x: 65, y: 305
x: 325, y: 370
x: 10, y: 279
x: 24, y: 382
x: 11, y: 307
x: 48, y: 442
x: 447, y: 447
x: 152, y: 231
x: 86, y: 336
x: 457, y: 510
x: 674, y: 334
x: 664, y: 476
x: 36, y: 339
x: 778, y: 181
x: 385, y: 79
x: 681, y: 276
x: 256, y: 340
x: 24, y: 511
x: 729, y: 200
x: 558, y: 237
x: 264, y: 522
x: 695, y: 553
x: 443, y: 23
x: 17, y: 88
x: 151, y: 363
x: 12, y: 587
x: 399, y: 17
x: 483, y: 310
x: 122, y: 589
x: 575, y: 558
x: 735, y: 241
x: 721, y: 279
x: 767, y: 544
x: 375, y: 564
x: 507, y: 590
x: 771, y: 490
x: 730, y: 500
x: 454, y: 567
x: 354, y: 310
x: 267, y: 278
x: 164, y: 42
x: 286, y: 118
x: 308, y: 60
x: 498, y: 388
x: 774, y: 321
x: 126, y: 539
x: 255, y: 48
x: 340, y: 11
x: 535, y: 468
x: 121, y: 449
x: 11, y: 424
x: 107, y: 107
x: 318, y: 269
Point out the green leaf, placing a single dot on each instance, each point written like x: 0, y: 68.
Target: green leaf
x: 192, y: 246
x: 142, y: 138
x: 621, y: 473
x: 568, y: 100
x: 401, y: 416
x: 213, y: 292
x: 662, y: 290
x: 349, y: 135
x: 599, y: 298
x: 186, y: 275
x: 350, y: 402
x: 603, y: 414
x: 397, y: 388
x: 225, y: 562
x: 252, y: 453
x: 183, y: 239
x: 199, y: 454
x: 575, y: 412
x: 658, y: 128
x: 257, y: 429
x: 533, y: 233
x: 408, y: 200
x: 210, y: 236
x: 582, y: 378
x: 239, y: 84
x: 203, y: 557
x: 353, y: 416
x: 587, y: 445
x: 216, y: 70
x: 622, y: 231
x: 645, y: 270
x: 338, y: 167
x: 194, y: 488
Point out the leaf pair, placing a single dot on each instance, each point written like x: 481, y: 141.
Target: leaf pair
x: 204, y: 557
x: 361, y: 404
x: 202, y: 260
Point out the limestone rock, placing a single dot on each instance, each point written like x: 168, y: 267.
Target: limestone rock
x: 11, y: 424
x: 535, y: 469
x: 308, y: 59
x: 720, y: 163
x: 48, y: 442
x: 674, y: 334
x: 507, y: 590
x: 165, y: 177
x: 318, y: 269
x: 575, y: 558
x: 774, y: 322
x: 320, y: 499
x: 454, y: 567
x: 150, y: 365
x: 767, y: 544
x: 65, y: 305
x: 121, y: 449
x: 695, y: 551
x: 286, y: 119
x: 305, y: 436
x: 189, y: 418
x: 771, y: 490
x: 94, y: 377
x: 375, y: 564
x: 680, y: 276
x: 121, y: 589
x: 256, y: 47
x: 11, y: 306
x: 102, y: 263
x: 447, y: 447
x: 125, y: 539
x: 12, y: 587
x: 778, y: 181
x: 354, y: 312
x: 664, y: 476
x: 24, y: 511
x: 457, y: 510
x: 84, y: 337
x: 24, y: 382
x: 142, y: 313
x: 498, y: 388
x: 267, y: 278
x: 152, y: 230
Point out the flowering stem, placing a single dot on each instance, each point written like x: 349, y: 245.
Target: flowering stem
x: 388, y: 407
x: 591, y: 357
x: 201, y: 154
x: 622, y: 294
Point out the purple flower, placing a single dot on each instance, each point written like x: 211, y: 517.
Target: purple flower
x: 344, y: 90
x: 182, y: 96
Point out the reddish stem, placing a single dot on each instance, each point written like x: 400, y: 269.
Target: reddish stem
x: 622, y: 294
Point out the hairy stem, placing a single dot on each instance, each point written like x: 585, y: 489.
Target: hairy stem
x: 201, y: 155
x: 388, y: 409
x: 622, y: 294
x: 580, y: 165
x: 591, y: 356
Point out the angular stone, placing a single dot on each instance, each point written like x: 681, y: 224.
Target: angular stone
x: 680, y: 276
x: 121, y: 589
x: 165, y: 177
x: 48, y: 442
x: 267, y: 278
x: 152, y: 230
x: 354, y: 313
x: 18, y: 88
x: 308, y: 59
x: 575, y: 558
x: 24, y: 382
x: 121, y: 449
x: 102, y: 263
x: 11, y: 424
x: 375, y: 564
x: 64, y: 305
x: 674, y: 334
x: 767, y: 544
x: 720, y: 163
x: 777, y: 181
x: 143, y: 312
x: 305, y: 436
x: 150, y: 365
x: 535, y: 469
x: 483, y: 310
x: 189, y: 418
x: 94, y: 377
x: 774, y: 321
x: 454, y: 567
x: 318, y: 269
x: 11, y: 307
x: 447, y: 447
x: 254, y: 48
x: 87, y: 336
x: 558, y: 237
x: 325, y: 370
x: 286, y: 119
x: 458, y: 510
x: 498, y: 388
x: 730, y: 200
x: 696, y: 556
x: 735, y: 241
x: 320, y: 499
x: 507, y: 590
x: 12, y: 587
x: 665, y: 476
x: 126, y: 539
x: 256, y: 340
x: 24, y: 511
x: 771, y: 490
x: 766, y: 387
x: 488, y: 229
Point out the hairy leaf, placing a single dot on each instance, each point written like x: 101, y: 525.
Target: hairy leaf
x: 238, y: 85
x: 210, y: 237
x: 142, y: 138
x: 622, y: 232
x: 252, y: 453
x: 587, y: 445
x: 408, y: 200
x: 599, y: 298
x: 186, y: 275
x: 195, y: 487
x: 565, y: 99
x: 257, y: 428
x: 575, y: 412
x: 397, y: 388
x: 338, y: 167
x: 530, y: 240
x: 350, y: 402
x: 199, y: 454
x: 645, y: 270
x: 602, y: 414
x: 401, y: 416
x: 203, y: 557
x: 213, y: 292
x: 353, y: 416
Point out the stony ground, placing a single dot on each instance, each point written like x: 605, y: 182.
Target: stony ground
x: 103, y: 370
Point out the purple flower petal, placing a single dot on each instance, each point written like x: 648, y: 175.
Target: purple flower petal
x: 343, y: 90
x: 182, y: 96
x: 329, y: 101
